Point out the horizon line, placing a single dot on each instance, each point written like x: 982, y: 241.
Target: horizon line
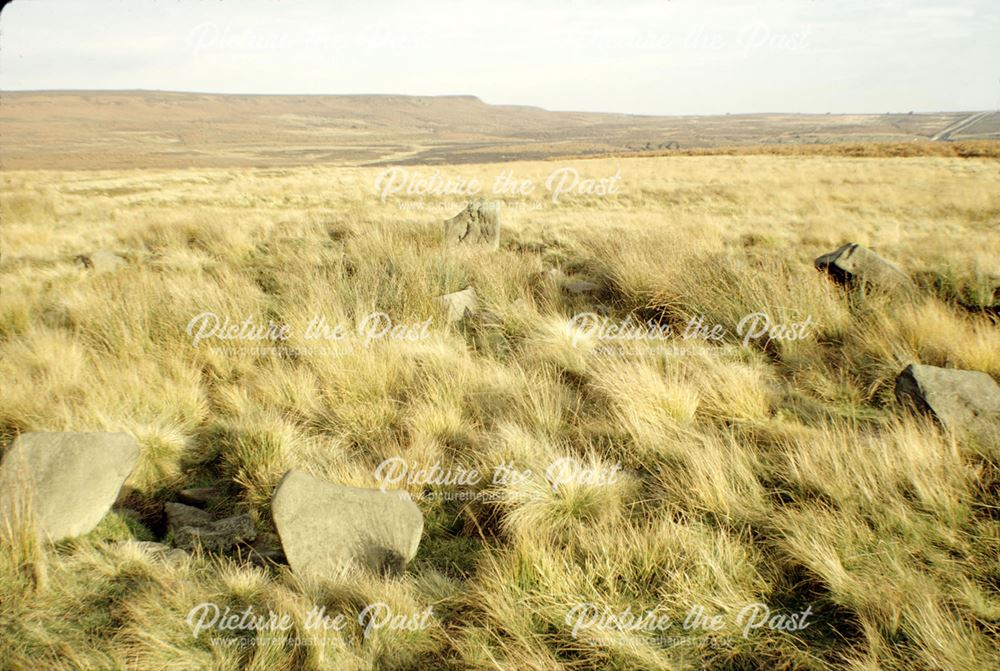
x: 479, y: 99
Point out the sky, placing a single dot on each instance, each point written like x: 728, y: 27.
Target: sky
x: 642, y: 57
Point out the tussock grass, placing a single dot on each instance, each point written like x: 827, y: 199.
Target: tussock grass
x: 779, y: 471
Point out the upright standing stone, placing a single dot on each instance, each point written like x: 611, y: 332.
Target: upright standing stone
x: 962, y: 400
x: 853, y: 263
x: 477, y: 224
x: 68, y: 481
x: 324, y: 526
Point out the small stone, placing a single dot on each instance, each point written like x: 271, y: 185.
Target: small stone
x: 101, y: 261
x: 68, y: 481
x: 198, y: 496
x: 460, y: 304
x: 962, y: 400
x: 852, y: 263
x: 181, y: 515
x: 217, y: 536
x: 577, y: 287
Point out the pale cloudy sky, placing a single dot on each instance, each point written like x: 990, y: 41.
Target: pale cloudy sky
x: 655, y: 57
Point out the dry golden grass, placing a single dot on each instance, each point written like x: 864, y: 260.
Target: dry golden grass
x: 778, y: 472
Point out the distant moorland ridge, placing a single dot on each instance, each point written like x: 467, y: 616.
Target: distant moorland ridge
x: 146, y: 129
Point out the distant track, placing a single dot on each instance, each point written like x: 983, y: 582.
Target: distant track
x: 959, y: 126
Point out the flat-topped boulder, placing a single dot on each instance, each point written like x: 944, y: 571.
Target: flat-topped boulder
x: 477, y: 224
x: 962, y: 400
x: 68, y: 481
x: 460, y: 304
x: 853, y: 264
x: 324, y: 526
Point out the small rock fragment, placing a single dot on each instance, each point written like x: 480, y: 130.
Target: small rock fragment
x: 101, y: 261
x: 217, y: 536
x: 460, y: 304
x: 962, y: 400
x: 181, y: 515
x: 198, y: 496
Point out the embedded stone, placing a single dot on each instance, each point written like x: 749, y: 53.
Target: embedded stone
x: 325, y: 526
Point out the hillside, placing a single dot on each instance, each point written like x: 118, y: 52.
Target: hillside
x: 142, y: 129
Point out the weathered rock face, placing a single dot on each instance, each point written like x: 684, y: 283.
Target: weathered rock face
x: 101, y: 261
x: 477, y: 224
x: 852, y: 264
x: 460, y: 304
x: 324, y: 526
x: 962, y: 400
x: 69, y: 481
x: 193, y: 527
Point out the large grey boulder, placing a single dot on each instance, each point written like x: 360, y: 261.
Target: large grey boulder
x: 324, y: 527
x: 477, y: 224
x: 962, y: 400
x: 68, y: 481
x: 101, y: 261
x: 460, y: 304
x: 854, y: 264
